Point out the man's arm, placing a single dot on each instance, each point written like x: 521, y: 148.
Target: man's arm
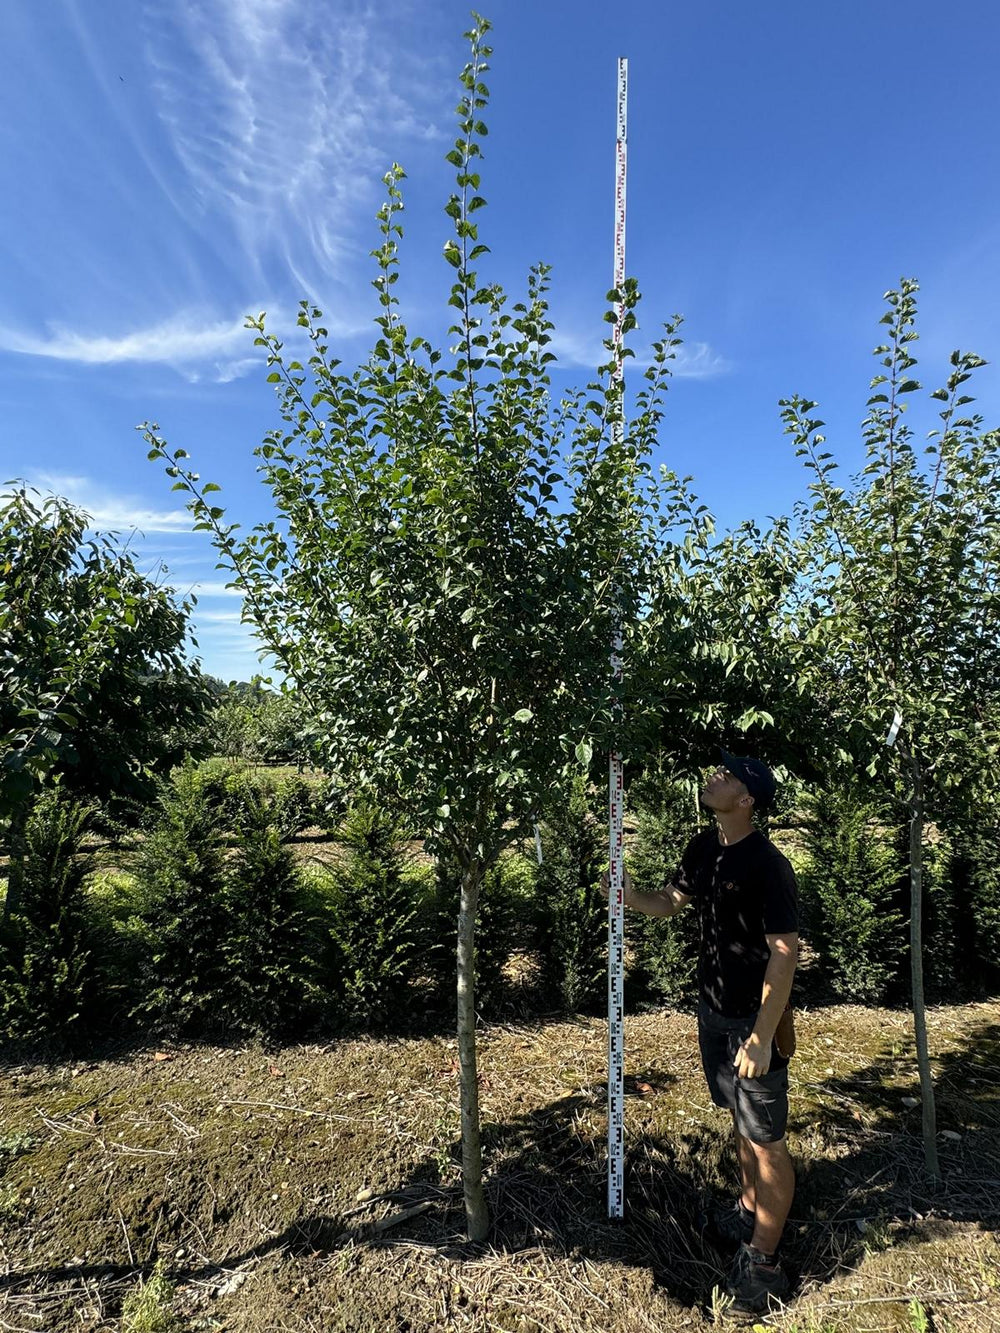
x: 754, y: 1057
x: 667, y: 902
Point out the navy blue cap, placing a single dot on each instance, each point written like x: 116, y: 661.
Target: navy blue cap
x: 755, y: 776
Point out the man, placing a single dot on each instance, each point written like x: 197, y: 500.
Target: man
x: 745, y: 895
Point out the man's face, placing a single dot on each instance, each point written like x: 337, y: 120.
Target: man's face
x: 724, y: 791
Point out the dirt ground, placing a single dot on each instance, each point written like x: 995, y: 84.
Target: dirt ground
x: 315, y: 1189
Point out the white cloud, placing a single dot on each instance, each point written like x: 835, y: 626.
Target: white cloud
x: 283, y: 114
x: 202, y: 617
x: 697, y: 361
x: 270, y: 123
x: 198, y: 349
x: 227, y: 371
x: 694, y: 361
x: 109, y: 510
x: 213, y: 588
x: 176, y: 339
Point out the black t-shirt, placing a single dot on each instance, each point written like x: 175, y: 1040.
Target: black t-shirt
x: 742, y: 893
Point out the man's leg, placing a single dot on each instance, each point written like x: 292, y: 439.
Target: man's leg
x: 775, y: 1188
x: 748, y: 1169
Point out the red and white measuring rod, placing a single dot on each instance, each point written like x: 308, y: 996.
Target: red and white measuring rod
x: 616, y: 786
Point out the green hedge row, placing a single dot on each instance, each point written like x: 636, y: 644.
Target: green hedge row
x: 217, y: 929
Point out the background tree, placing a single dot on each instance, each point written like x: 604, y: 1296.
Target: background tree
x: 257, y: 724
x: 901, y: 615
x: 666, y: 814
x: 45, y: 946
x: 374, y: 928
x: 183, y: 903
x: 849, y: 889
x: 572, y: 910
x: 94, y: 684
x: 273, y: 981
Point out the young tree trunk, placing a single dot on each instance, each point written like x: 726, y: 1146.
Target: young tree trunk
x: 16, y: 853
x: 917, y: 972
x: 477, y: 1217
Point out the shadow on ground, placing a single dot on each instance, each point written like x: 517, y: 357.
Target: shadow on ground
x: 546, y: 1180
x: 545, y: 1185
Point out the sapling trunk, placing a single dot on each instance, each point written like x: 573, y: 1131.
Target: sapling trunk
x: 17, y: 847
x: 917, y: 972
x: 477, y: 1215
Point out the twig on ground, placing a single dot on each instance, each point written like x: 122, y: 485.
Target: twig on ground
x: 128, y: 1243
x: 394, y: 1219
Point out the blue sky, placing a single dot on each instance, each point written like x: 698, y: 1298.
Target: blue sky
x: 169, y: 165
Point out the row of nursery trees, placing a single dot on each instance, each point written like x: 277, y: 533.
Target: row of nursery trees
x: 450, y: 549
x: 211, y: 926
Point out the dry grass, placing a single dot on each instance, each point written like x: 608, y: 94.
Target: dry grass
x: 316, y: 1188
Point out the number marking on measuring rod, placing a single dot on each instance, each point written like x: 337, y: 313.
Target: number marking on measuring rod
x: 616, y: 784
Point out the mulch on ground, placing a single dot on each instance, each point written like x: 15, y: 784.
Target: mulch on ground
x: 316, y: 1188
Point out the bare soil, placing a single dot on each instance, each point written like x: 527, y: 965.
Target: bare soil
x: 273, y: 1184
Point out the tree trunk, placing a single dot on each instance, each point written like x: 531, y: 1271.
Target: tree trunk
x: 917, y: 972
x: 477, y: 1217
x: 16, y: 853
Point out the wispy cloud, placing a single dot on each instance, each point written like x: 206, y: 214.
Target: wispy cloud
x: 266, y: 124
x: 203, y: 617
x: 694, y: 361
x: 197, y: 348
x: 282, y: 113
x: 213, y: 588
x: 109, y: 510
x: 697, y: 361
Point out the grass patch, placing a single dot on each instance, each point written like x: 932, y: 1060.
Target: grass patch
x: 148, y: 1308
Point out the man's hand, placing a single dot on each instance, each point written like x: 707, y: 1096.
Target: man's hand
x: 626, y: 883
x: 753, y: 1059
x: 664, y: 903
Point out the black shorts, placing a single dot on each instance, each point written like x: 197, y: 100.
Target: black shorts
x: 759, y: 1105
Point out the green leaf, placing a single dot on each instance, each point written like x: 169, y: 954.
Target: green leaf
x: 584, y: 753
x: 523, y: 715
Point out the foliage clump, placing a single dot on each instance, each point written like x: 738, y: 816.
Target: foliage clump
x: 375, y: 927
x: 228, y: 945
x: 666, y: 816
x: 94, y: 682
x: 573, y: 929
x: 850, y: 894
x: 181, y: 889
x: 256, y: 725
x: 272, y: 969
x: 45, y: 945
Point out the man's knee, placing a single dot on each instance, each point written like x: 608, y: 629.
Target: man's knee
x: 776, y: 1151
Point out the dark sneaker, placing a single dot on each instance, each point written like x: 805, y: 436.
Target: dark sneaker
x: 754, y: 1286
x: 731, y: 1225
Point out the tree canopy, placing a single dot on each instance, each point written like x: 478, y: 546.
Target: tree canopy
x: 95, y: 684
